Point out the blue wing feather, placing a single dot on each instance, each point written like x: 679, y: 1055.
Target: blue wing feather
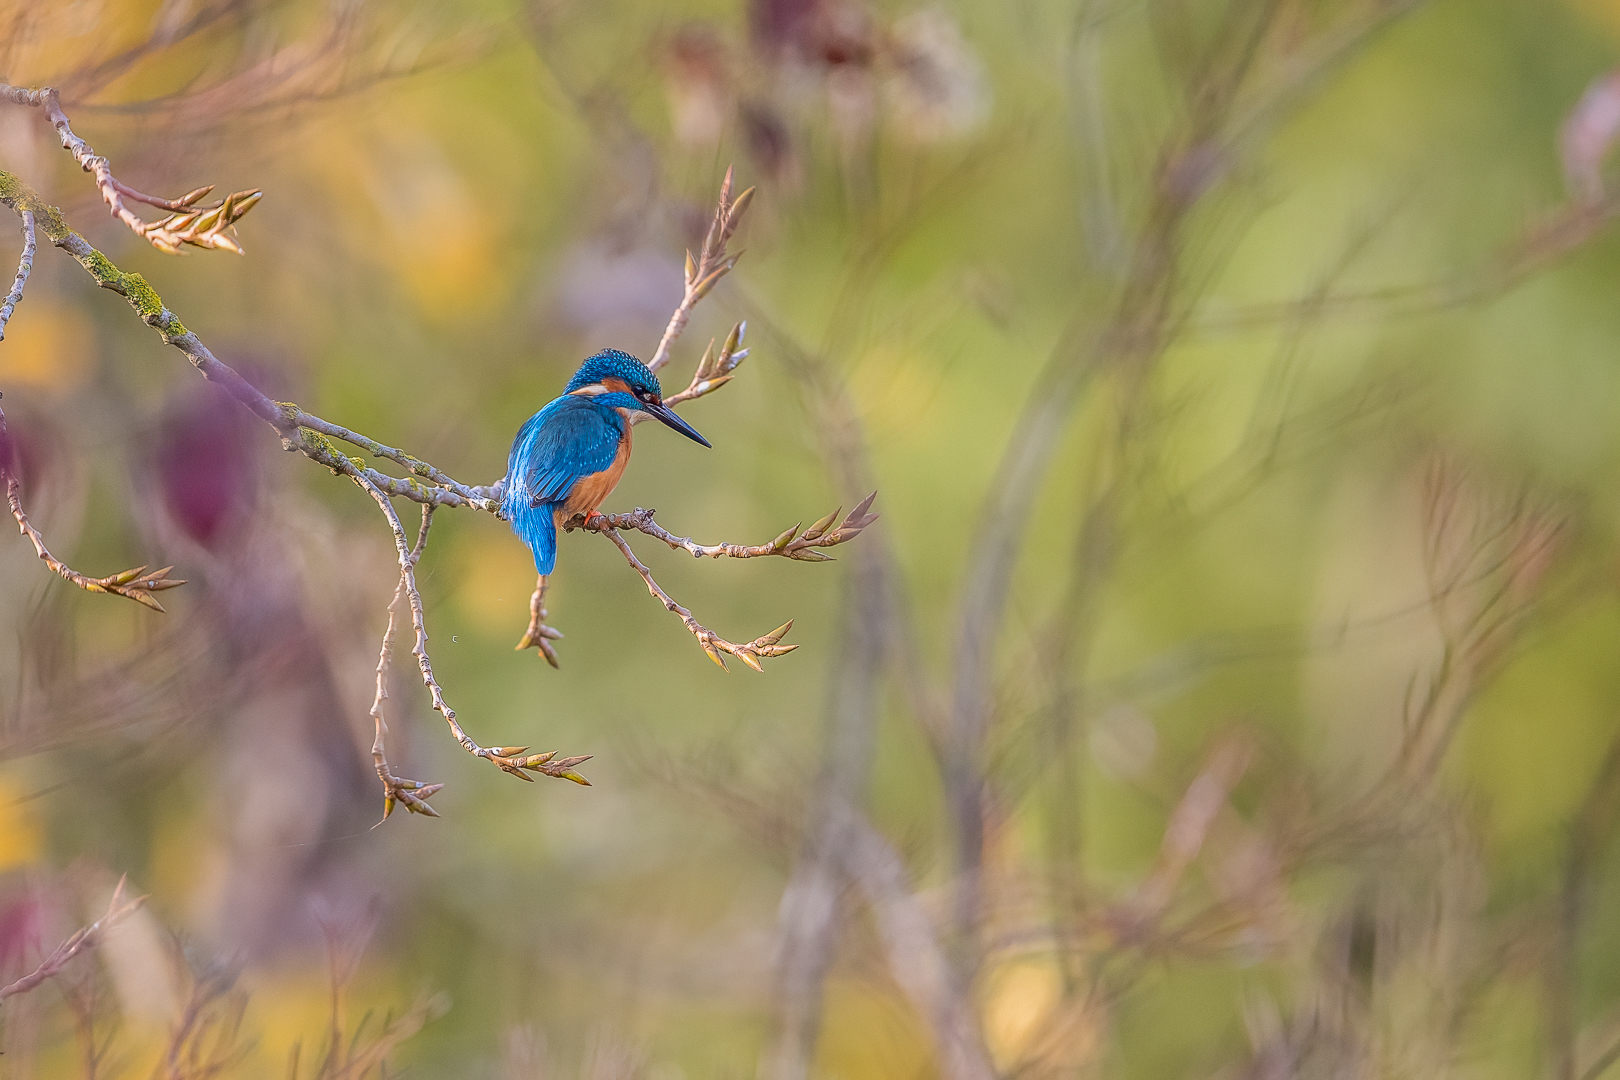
x: 571, y: 438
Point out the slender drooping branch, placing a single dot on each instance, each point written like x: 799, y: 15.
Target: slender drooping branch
x: 413, y: 793
x: 85, y: 938
x: 187, y: 223
x: 704, y: 272
x: 713, y: 644
x: 136, y: 584
x: 508, y: 758
x: 25, y: 266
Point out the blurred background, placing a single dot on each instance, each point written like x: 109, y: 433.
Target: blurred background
x: 1229, y: 688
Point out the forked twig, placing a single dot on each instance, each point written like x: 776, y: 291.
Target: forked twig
x: 714, y: 370
x: 539, y: 635
x: 136, y: 584
x: 199, y: 226
x: 712, y: 264
x: 509, y: 759
x: 414, y: 794
x: 791, y: 544
x: 25, y: 266
x: 750, y: 653
x: 85, y: 938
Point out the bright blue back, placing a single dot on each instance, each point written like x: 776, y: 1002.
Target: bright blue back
x: 573, y: 437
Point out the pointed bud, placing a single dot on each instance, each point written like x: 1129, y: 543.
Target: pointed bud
x: 244, y: 201
x: 576, y: 778
x: 776, y: 635
x: 822, y: 525
x: 785, y: 539
x: 691, y: 267
x: 714, y: 654
x: 738, y: 208
x: 747, y: 657
x: 143, y: 598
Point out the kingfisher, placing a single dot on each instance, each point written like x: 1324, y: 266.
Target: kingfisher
x: 568, y: 457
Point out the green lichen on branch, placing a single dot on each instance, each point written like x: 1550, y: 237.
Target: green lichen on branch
x: 132, y: 287
x: 19, y: 196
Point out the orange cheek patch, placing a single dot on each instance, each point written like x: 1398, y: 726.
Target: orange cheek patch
x: 616, y: 386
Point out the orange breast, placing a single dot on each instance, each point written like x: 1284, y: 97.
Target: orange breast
x: 589, y: 492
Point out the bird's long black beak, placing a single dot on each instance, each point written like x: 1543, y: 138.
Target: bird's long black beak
x: 667, y: 415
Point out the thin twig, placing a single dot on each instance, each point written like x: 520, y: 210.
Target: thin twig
x: 508, y: 758
x: 712, y: 264
x: 200, y: 226
x: 299, y: 431
x: 539, y: 635
x: 86, y: 938
x: 413, y: 793
x: 25, y: 266
x: 792, y: 544
x: 135, y: 584
x: 749, y: 653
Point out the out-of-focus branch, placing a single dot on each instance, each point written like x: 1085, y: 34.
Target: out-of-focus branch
x: 509, y: 759
x: 414, y: 794
x: 712, y: 264
x: 136, y: 584
x: 791, y: 544
x: 766, y: 645
x: 200, y: 226
x: 86, y: 938
x: 915, y: 957
x: 25, y: 266
x: 299, y: 431
x: 1540, y: 246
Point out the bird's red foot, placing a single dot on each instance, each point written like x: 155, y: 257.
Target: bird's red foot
x: 539, y: 635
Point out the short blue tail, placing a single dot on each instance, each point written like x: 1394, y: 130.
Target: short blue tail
x: 536, y: 527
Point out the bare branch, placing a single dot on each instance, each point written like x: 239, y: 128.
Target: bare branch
x: 749, y: 653
x: 299, y: 431
x: 25, y: 266
x: 413, y: 793
x: 791, y: 544
x: 136, y: 584
x: 509, y: 759
x: 715, y: 369
x: 539, y: 635
x: 200, y: 226
x: 86, y: 938
x: 712, y: 264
